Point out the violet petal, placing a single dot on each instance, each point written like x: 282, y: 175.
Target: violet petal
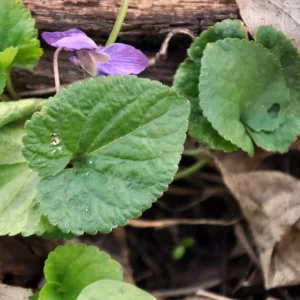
x: 70, y: 40
x: 124, y: 60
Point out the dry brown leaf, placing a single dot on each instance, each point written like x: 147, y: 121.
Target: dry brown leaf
x: 271, y: 203
x: 283, y: 15
x: 14, y: 293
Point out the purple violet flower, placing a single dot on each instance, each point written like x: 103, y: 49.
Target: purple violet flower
x: 96, y: 60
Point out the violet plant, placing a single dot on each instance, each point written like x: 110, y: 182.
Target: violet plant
x: 243, y: 93
x: 89, y: 159
x: 95, y: 60
x: 98, y: 153
x: 101, y: 151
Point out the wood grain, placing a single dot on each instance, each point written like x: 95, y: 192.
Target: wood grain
x: 147, y: 23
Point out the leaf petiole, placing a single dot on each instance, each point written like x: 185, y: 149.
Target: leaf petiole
x: 193, y: 152
x: 119, y: 22
x: 191, y: 170
x: 10, y: 87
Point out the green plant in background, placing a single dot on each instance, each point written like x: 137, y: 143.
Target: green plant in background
x: 85, y: 273
x: 180, y: 250
x: 242, y: 93
x: 19, y: 46
x: 123, y: 144
x: 99, y: 153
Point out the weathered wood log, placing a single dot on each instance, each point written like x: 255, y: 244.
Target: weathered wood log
x: 145, y: 18
x: 147, y: 23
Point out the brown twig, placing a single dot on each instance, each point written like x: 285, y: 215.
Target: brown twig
x: 163, y: 52
x: 173, y: 222
x: 200, y: 197
x: 192, y: 290
x: 241, y: 236
x: 41, y: 92
x: 212, y: 296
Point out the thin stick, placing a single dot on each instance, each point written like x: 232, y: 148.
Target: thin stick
x: 42, y: 92
x: 55, y: 69
x: 192, y: 290
x: 165, y: 45
x: 241, y: 236
x: 212, y: 296
x: 119, y: 22
x: 10, y: 86
x: 191, y: 170
x: 173, y: 222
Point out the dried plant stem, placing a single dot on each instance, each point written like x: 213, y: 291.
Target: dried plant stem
x: 55, y: 68
x: 174, y: 222
x: 212, y: 296
x: 241, y: 236
x: 10, y: 86
x: 119, y: 22
x: 186, y: 290
x: 163, y: 52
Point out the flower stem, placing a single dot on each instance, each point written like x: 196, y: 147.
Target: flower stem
x: 119, y: 22
x: 191, y: 170
x: 55, y: 68
x: 10, y: 87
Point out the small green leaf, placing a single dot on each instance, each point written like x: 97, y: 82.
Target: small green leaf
x: 19, y: 210
x: 18, y: 110
x: 236, y: 96
x: 113, y: 290
x: 186, y: 82
x: 220, y: 31
x: 7, y: 57
x: 178, y: 252
x: 286, y: 134
x: 71, y: 268
x: 17, y: 30
x: 123, y: 137
x: 188, y: 242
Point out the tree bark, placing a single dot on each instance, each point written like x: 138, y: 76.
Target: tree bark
x: 145, y: 18
x: 147, y: 24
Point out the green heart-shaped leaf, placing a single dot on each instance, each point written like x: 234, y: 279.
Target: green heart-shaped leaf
x: 19, y: 209
x: 113, y: 290
x: 235, y: 96
x: 17, y: 30
x: 186, y: 82
x: 71, y: 268
x: 219, y: 31
x: 122, y: 137
x: 281, y: 47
